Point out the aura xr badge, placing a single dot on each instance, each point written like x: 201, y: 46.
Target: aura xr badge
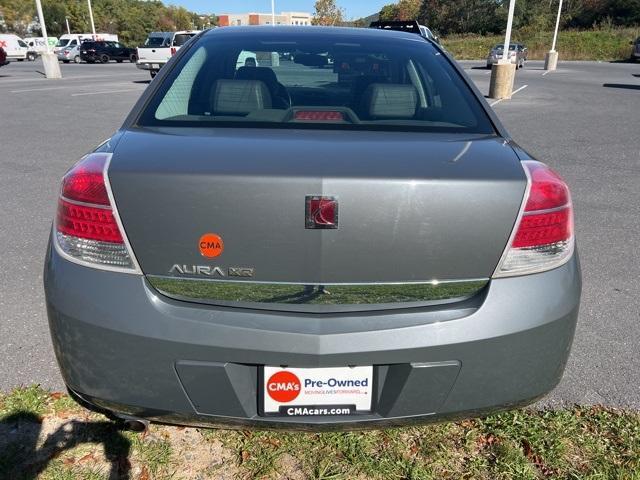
x: 321, y: 212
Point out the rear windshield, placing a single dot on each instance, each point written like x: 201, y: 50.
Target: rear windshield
x: 62, y: 42
x: 155, y: 41
x: 316, y: 82
x: 182, y: 38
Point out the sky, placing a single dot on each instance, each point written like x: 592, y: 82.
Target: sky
x: 353, y: 8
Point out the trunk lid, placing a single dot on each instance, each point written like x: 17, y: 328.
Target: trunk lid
x: 412, y: 207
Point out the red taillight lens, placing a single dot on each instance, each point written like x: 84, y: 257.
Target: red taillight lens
x: 83, y: 221
x: 86, y: 226
x: 547, y: 191
x: 543, y: 238
x: 173, y: 50
x: 85, y: 182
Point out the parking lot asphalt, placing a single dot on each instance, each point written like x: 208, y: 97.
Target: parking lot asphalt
x: 583, y: 119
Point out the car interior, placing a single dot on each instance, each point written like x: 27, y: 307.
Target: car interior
x: 310, y: 86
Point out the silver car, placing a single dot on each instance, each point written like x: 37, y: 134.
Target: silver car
x: 69, y: 54
x: 352, y: 246
x: 518, y: 54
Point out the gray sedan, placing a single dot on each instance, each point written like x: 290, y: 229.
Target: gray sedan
x: 309, y: 244
x: 518, y: 54
x: 69, y: 54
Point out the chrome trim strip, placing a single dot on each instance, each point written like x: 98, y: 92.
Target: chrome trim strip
x: 248, y: 293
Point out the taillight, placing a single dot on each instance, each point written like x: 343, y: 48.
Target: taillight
x: 543, y: 235
x: 87, y: 228
x: 173, y: 50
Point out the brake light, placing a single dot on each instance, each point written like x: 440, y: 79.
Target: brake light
x: 318, y: 115
x: 173, y: 50
x: 543, y: 236
x: 87, y: 229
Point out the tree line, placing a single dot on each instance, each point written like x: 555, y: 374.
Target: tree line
x: 132, y: 20
x: 489, y: 16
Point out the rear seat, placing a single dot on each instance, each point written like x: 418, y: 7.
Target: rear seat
x: 390, y: 101
x: 239, y: 97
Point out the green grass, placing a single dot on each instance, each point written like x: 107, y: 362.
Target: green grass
x: 569, y: 444
x: 604, y: 43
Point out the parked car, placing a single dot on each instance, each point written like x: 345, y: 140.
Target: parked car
x: 410, y: 26
x: 159, y: 47
x: 75, y: 39
x: 258, y: 247
x: 3, y: 58
x: 70, y: 54
x: 16, y: 48
x: 518, y: 54
x: 105, y: 51
x: 635, y: 50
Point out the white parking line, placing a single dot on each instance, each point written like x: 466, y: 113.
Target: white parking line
x: 37, y: 89
x: 516, y: 91
x: 107, y: 91
x: 548, y: 71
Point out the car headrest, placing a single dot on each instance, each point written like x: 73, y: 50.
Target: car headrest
x: 264, y: 74
x: 390, y: 101
x: 239, y: 97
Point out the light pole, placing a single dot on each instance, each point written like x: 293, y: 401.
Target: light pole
x: 551, y: 58
x: 49, y: 59
x: 66, y: 19
x: 93, y: 26
x: 503, y: 72
x: 273, y: 12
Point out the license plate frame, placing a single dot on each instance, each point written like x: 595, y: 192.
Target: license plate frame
x: 310, y: 403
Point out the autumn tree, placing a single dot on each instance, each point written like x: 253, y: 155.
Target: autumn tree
x: 327, y: 13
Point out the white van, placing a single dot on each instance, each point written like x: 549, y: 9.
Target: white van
x: 39, y: 45
x: 14, y: 46
x: 75, y: 39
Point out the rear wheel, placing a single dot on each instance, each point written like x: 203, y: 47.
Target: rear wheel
x: 133, y: 58
x: 31, y: 56
x: 152, y: 73
x: 104, y: 58
x: 76, y: 59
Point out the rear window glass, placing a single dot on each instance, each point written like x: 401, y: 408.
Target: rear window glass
x: 316, y: 82
x: 155, y: 41
x: 182, y: 38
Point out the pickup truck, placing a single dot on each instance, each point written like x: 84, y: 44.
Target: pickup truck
x: 160, y: 47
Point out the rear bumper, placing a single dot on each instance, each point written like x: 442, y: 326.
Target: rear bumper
x: 148, y: 65
x: 123, y: 347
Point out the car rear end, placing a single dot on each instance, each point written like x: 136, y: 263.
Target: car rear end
x: 90, y: 51
x: 496, y: 54
x: 370, y: 250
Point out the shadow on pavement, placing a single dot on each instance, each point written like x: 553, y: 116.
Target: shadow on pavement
x: 21, y: 458
x: 142, y: 81
x: 621, y: 85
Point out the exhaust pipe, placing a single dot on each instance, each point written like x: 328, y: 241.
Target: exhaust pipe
x: 133, y: 424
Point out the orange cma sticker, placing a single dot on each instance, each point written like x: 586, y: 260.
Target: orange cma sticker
x: 211, y: 245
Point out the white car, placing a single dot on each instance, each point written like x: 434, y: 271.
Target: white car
x: 75, y: 39
x: 160, y: 47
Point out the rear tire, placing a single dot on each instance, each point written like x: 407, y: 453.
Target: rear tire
x: 152, y: 73
x: 77, y: 59
x: 104, y: 58
x: 31, y: 56
x: 133, y: 58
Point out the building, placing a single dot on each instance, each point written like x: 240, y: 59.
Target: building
x: 284, y: 18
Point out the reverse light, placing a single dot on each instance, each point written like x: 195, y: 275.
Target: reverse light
x: 543, y: 236
x: 87, y: 228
